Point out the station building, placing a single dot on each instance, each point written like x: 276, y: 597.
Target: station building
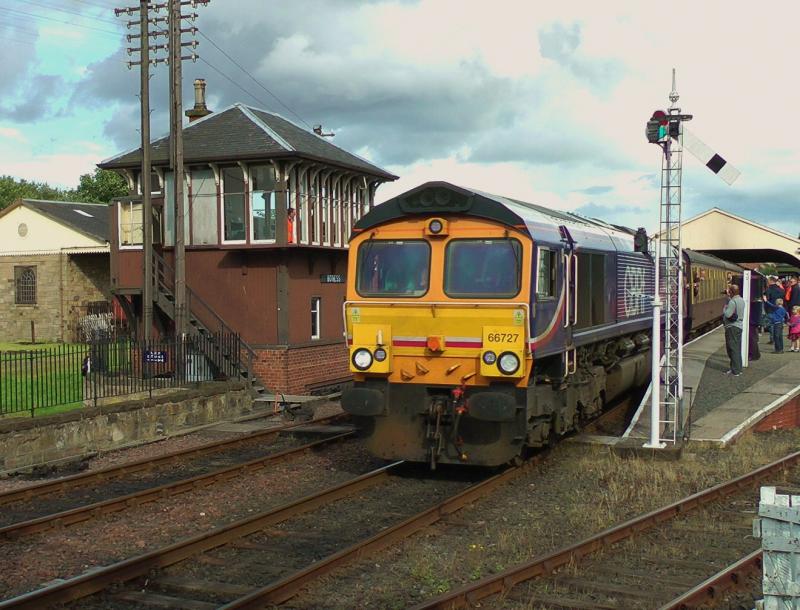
x: 278, y: 281
x: 54, y: 277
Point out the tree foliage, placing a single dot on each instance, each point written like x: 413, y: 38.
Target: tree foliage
x: 101, y: 187
x: 98, y: 187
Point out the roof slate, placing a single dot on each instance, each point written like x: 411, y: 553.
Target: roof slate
x: 233, y: 134
x: 94, y: 225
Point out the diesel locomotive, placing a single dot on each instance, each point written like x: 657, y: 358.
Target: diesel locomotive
x: 479, y: 326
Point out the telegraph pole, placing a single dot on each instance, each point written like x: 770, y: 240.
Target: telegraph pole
x: 176, y: 58
x: 145, y: 172
x: 176, y: 157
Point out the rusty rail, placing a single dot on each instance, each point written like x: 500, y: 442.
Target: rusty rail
x: 90, y: 511
x: 708, y: 591
x: 543, y: 565
x: 121, y: 470
x: 97, y: 580
x: 288, y: 587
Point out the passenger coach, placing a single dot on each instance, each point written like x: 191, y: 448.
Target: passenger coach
x: 480, y: 325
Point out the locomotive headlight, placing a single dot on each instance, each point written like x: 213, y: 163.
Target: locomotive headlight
x: 508, y: 363
x: 380, y: 354
x: 362, y: 359
x: 489, y: 357
x: 435, y: 226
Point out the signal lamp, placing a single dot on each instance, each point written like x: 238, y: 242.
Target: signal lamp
x: 380, y: 354
x: 435, y: 226
x: 489, y: 357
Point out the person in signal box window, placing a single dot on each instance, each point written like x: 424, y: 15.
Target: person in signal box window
x: 290, y: 225
x: 732, y: 315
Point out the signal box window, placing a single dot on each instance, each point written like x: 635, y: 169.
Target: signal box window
x: 25, y: 285
x: 316, y: 308
x: 546, y: 274
x: 485, y: 268
x: 393, y: 268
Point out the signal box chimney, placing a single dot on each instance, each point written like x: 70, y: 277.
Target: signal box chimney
x: 200, y: 109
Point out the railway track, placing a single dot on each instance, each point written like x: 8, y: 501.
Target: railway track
x: 735, y: 497
x: 90, y: 511
x: 111, y: 473
x: 288, y: 545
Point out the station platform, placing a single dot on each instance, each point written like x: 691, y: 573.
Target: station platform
x: 765, y: 396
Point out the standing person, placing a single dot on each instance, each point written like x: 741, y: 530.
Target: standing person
x: 794, y: 329
x: 756, y: 314
x: 777, y: 316
x: 774, y: 292
x: 732, y: 320
x: 794, y: 294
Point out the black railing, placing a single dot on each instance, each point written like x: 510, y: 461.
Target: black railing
x: 84, y: 374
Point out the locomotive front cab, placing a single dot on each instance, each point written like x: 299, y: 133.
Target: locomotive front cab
x: 438, y: 328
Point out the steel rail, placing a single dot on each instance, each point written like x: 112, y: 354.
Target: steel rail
x: 543, y: 565
x: 728, y: 578
x: 286, y: 588
x: 112, y: 472
x: 90, y: 511
x: 97, y: 580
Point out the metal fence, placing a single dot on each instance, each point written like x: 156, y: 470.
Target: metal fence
x: 85, y: 373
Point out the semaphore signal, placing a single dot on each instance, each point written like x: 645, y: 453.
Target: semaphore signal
x: 667, y: 129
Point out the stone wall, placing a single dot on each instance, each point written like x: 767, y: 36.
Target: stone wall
x: 26, y: 442
x: 65, y: 285
x: 15, y: 320
x: 87, y: 279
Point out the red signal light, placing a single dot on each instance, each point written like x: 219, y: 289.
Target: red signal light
x: 661, y: 117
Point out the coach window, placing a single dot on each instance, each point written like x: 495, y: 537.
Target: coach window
x: 393, y: 268
x: 546, y: 274
x: 485, y: 268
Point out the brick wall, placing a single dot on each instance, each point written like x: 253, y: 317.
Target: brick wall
x: 298, y: 370
x: 65, y: 284
x: 15, y: 320
x: 784, y: 417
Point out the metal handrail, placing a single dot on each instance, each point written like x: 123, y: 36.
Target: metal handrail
x: 164, y: 276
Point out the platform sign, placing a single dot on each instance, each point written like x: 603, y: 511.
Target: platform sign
x: 153, y: 357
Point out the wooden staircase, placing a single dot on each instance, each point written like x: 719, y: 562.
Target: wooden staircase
x: 219, y: 343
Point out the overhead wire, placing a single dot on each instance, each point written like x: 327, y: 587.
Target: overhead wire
x: 253, y: 78
x: 36, y: 16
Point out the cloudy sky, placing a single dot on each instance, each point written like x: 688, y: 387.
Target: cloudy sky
x: 543, y: 101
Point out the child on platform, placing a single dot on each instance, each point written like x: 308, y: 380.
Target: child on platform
x: 794, y: 329
x: 778, y: 316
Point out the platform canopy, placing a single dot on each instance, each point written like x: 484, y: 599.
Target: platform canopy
x: 739, y: 240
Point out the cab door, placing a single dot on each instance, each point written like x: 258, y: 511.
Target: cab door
x: 550, y: 294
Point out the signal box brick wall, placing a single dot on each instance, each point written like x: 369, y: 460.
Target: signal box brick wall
x: 65, y: 285
x: 302, y: 370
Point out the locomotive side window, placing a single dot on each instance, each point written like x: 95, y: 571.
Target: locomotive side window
x: 546, y: 274
x: 488, y: 268
x: 393, y: 268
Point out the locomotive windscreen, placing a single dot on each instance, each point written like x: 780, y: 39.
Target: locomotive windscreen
x: 489, y: 268
x: 398, y: 268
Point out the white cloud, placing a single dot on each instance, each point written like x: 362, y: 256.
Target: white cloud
x: 13, y: 133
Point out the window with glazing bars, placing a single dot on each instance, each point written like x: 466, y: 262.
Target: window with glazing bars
x: 25, y: 285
